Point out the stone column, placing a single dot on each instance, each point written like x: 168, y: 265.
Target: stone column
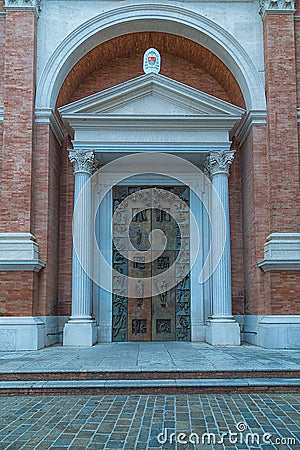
x: 80, y: 330
x: 222, y: 328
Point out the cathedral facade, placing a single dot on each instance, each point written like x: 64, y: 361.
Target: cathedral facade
x: 149, y: 164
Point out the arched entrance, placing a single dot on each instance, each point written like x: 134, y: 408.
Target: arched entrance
x: 165, y: 19
x: 124, y: 120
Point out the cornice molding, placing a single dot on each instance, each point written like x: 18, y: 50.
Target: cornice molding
x: 1, y: 113
x: 276, y: 7
x: 174, y: 92
x: 19, y: 251
x: 249, y: 119
x: 281, y: 252
x: 23, y: 5
x: 48, y: 117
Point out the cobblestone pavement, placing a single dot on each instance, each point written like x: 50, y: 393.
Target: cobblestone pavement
x: 134, y: 422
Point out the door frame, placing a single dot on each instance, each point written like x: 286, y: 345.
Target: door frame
x: 200, y: 293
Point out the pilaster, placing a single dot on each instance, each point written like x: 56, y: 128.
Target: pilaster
x: 18, y: 120
x: 281, y: 94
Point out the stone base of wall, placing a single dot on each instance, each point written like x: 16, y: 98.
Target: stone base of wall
x: 271, y: 331
x: 30, y: 333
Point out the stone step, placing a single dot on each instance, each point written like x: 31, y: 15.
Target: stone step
x: 155, y: 386
x: 146, y: 375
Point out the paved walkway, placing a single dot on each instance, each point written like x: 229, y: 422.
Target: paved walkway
x: 150, y: 356
x: 135, y: 422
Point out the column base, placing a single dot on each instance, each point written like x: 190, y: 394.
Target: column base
x: 80, y: 334
x: 223, y: 333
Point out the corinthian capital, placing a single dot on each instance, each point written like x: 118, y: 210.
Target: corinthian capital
x: 31, y: 5
x: 82, y: 161
x: 218, y: 162
x: 276, y: 6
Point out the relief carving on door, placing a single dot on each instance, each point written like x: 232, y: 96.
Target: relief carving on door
x: 161, y: 317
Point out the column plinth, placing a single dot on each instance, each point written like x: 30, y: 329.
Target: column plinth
x: 222, y: 328
x: 80, y: 330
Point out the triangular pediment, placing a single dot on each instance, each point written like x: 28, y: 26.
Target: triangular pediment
x: 150, y: 95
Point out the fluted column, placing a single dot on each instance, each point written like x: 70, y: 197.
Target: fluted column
x: 222, y: 328
x: 80, y: 330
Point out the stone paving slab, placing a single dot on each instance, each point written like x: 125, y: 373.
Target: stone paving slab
x: 152, y: 356
x: 259, y: 421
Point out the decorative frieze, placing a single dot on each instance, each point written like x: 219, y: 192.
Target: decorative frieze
x: 83, y: 161
x: 218, y: 162
x: 33, y: 5
x: 276, y: 6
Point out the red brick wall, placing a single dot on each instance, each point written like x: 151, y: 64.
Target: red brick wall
x: 19, y: 90
x: 280, y: 31
x: 297, y: 50
x: 18, y: 289
x: 2, y: 46
x: 46, y: 192
x: 65, y: 235
x: 285, y: 292
x: 255, y: 193
x: 283, y: 149
x: 237, y: 260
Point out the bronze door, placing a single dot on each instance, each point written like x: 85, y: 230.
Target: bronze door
x: 145, y: 317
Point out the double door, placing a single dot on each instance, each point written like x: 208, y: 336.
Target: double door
x: 164, y: 316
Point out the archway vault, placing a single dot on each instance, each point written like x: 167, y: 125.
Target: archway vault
x: 150, y: 18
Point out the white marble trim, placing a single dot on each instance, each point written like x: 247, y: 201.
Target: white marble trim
x: 281, y: 252
x: 19, y: 251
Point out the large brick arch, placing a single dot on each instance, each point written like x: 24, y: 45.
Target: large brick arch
x: 120, y: 59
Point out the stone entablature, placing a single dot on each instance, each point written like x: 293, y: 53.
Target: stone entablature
x: 276, y: 6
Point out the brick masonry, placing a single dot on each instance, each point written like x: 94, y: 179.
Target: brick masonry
x: 19, y: 90
x: 18, y: 290
x: 18, y: 293
x: 120, y: 59
x: 283, y: 147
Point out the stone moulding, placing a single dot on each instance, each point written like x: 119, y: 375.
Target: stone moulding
x: 281, y: 252
x: 19, y: 251
x: 276, y: 6
x: 27, y: 5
